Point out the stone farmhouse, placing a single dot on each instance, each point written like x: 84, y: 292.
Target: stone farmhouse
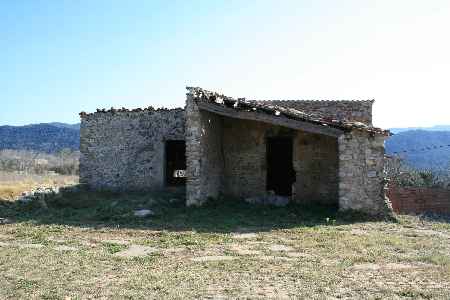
x: 323, y: 152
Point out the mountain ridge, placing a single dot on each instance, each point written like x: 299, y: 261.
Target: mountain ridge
x: 43, y: 137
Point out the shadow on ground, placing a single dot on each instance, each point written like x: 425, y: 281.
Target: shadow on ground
x: 107, y: 209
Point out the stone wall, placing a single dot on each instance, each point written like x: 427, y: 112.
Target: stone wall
x: 245, y: 157
x: 124, y: 150
x: 358, y: 111
x: 361, y: 173
x: 204, y: 154
x: 316, y: 166
x: 411, y: 200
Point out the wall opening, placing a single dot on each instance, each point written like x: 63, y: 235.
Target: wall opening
x: 175, y: 163
x: 280, y: 170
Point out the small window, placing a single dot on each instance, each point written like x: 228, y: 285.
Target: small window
x: 175, y: 163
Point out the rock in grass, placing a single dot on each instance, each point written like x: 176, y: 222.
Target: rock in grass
x: 142, y: 213
x: 4, y: 221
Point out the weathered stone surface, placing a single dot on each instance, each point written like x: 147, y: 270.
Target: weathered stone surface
x: 362, y: 185
x: 213, y: 258
x: 142, y: 213
x: 4, y: 221
x: 280, y: 248
x: 124, y: 150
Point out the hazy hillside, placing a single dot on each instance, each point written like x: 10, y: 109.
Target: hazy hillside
x: 433, y: 128
x: 47, y: 137
x: 417, y: 140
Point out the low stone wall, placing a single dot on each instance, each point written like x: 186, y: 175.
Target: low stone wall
x: 420, y: 200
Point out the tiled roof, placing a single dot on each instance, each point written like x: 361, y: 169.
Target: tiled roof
x: 288, y: 101
x: 241, y: 104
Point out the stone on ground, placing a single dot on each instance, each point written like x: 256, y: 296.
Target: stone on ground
x: 30, y: 246
x: 274, y: 258
x: 142, y: 213
x: 244, y: 235
x: 135, y: 251
x: 280, y: 248
x: 213, y: 258
x: 4, y: 221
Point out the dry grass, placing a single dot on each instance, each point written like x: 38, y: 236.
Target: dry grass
x: 221, y: 251
x: 13, y: 184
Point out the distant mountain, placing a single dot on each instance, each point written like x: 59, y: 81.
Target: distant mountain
x: 64, y: 125
x: 433, y: 128
x: 45, y: 137
x: 426, y: 149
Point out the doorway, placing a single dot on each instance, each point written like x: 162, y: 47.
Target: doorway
x: 280, y: 171
x: 175, y: 163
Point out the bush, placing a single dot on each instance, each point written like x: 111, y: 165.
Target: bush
x: 64, y: 162
x: 402, y: 175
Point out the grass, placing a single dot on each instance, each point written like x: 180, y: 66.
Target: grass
x: 329, y: 254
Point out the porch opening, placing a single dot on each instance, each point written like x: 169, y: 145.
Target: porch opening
x: 175, y: 163
x: 280, y: 170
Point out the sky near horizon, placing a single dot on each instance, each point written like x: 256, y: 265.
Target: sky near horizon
x: 61, y: 57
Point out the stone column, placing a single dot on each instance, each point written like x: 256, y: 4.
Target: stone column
x: 193, y: 152
x: 361, y: 173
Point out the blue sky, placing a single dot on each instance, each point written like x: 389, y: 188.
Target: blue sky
x: 61, y: 57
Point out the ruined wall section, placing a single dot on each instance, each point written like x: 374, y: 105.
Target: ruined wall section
x: 124, y: 150
x: 362, y: 183
x: 357, y: 110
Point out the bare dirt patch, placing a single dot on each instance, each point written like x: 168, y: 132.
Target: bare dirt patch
x: 136, y: 251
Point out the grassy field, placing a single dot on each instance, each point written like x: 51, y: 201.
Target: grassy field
x: 91, y: 246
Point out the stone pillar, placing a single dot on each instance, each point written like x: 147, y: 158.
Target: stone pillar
x: 361, y: 173
x: 204, y: 154
x: 193, y: 152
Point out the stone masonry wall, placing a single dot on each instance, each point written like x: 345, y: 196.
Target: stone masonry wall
x: 245, y: 158
x: 124, y: 150
x: 358, y: 111
x: 361, y: 173
x: 204, y: 154
x: 316, y: 166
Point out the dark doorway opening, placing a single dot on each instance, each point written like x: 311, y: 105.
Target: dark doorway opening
x: 175, y: 163
x: 280, y: 170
